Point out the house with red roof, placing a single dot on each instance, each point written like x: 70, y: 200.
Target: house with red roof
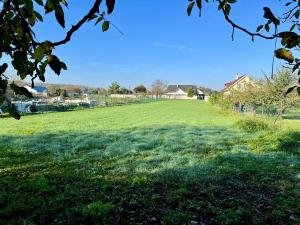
x: 237, y: 84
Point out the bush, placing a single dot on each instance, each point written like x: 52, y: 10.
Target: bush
x: 191, y: 93
x: 252, y: 125
x: 214, y: 98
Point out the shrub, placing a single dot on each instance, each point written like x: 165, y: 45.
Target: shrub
x: 214, y: 98
x: 289, y: 142
x: 191, y: 93
x: 252, y: 125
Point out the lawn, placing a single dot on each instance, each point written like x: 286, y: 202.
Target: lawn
x: 168, y: 162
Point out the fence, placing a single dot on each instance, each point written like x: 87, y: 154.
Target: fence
x: 118, y: 100
x: 256, y: 109
x: 25, y: 107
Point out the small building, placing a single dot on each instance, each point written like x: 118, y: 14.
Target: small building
x: 237, y: 84
x: 181, y: 92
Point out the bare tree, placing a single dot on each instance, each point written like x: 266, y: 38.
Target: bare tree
x: 158, y: 87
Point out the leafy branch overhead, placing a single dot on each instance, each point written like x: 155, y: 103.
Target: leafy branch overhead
x: 29, y: 57
x: 290, y: 39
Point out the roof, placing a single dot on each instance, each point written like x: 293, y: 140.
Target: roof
x: 232, y: 83
x: 185, y: 88
x: 40, y: 89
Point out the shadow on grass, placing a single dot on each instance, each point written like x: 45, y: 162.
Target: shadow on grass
x: 166, y: 175
x: 291, y: 117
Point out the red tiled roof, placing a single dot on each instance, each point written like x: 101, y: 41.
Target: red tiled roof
x: 230, y: 84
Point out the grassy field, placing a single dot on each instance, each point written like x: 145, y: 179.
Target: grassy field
x: 168, y: 162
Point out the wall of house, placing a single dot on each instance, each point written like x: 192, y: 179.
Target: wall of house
x: 239, y: 86
x: 177, y: 93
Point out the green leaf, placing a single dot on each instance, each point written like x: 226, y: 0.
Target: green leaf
x: 20, y: 62
x: 298, y: 90
x: 63, y: 65
x: 259, y: 28
x: 2, y: 100
x: 284, y: 54
x: 54, y: 64
x: 40, y: 2
x: 227, y: 9
x: 296, y: 66
x: 105, y: 25
x: 293, y: 27
x: 65, y: 2
x: 267, y: 27
x: 51, y: 5
x: 199, y: 4
x: 47, y: 45
x: 3, y: 68
x: 290, y: 89
x: 231, y: 1
x: 289, y: 39
x: 59, y: 15
x: 38, y: 16
x: 100, y: 18
x: 32, y: 20
x: 297, y: 13
x: 190, y: 8
x: 9, y: 15
x: 41, y: 77
x: 21, y: 90
x: 110, y: 6
x: 39, y: 53
x: 3, y: 86
x: 287, y: 4
x: 13, y: 111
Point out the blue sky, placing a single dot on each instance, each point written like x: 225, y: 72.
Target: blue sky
x: 161, y: 42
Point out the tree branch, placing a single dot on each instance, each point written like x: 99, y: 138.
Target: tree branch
x: 74, y: 28
x: 235, y: 26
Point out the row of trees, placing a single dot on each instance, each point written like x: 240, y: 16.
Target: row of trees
x: 158, y: 87
x: 267, y: 94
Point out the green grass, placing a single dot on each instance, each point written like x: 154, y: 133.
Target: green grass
x: 169, y: 162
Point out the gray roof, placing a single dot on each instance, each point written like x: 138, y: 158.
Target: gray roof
x: 185, y: 88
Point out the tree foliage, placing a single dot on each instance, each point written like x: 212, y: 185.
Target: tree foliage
x: 267, y: 94
x: 270, y: 92
x: 114, y: 88
x: 140, y: 89
x: 191, y: 92
x: 19, y: 46
x: 284, y: 28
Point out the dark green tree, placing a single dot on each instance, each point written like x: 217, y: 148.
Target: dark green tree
x: 125, y: 91
x: 114, y: 88
x: 191, y: 92
x: 140, y: 89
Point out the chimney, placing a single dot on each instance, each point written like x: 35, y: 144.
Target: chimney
x: 177, y: 85
x: 237, y: 76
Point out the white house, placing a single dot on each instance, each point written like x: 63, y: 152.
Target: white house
x: 181, y: 92
x: 238, y: 84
